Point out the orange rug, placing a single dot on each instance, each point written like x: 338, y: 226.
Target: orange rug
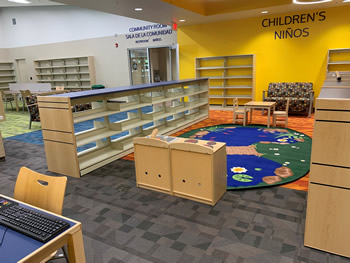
x: 299, y: 123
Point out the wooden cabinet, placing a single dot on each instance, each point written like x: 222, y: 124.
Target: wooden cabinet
x: 192, y: 169
x: 89, y: 139
x: 328, y: 218
x: 152, y: 164
x: 7, y: 74
x: 72, y: 73
x: 230, y: 77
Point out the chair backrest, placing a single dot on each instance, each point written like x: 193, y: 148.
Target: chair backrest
x: 25, y: 93
x: 235, y: 104
x: 287, y: 105
x: 43, y: 191
x: 59, y: 87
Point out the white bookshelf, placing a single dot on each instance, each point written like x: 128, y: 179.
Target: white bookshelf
x: 167, y: 106
x: 7, y: 74
x: 229, y: 77
x: 72, y: 73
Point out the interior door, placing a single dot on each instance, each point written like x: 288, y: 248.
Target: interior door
x: 22, y: 75
x: 139, y: 66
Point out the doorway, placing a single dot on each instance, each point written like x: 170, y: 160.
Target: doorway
x: 22, y: 75
x: 149, y: 65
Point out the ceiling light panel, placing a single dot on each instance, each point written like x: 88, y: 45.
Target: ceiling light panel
x: 299, y: 2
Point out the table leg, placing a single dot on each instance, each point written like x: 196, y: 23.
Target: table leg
x: 268, y: 117
x: 16, y: 101
x: 251, y: 114
x: 75, y: 247
x: 244, y: 116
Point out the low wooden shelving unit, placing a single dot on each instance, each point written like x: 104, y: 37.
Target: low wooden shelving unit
x: 118, y: 115
x: 7, y: 74
x: 230, y: 77
x: 72, y: 73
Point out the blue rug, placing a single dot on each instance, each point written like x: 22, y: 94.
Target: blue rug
x: 258, y: 156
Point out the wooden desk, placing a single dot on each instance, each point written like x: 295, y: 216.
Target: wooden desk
x: 259, y: 105
x: 21, y: 248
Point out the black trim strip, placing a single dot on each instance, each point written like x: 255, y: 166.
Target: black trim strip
x: 332, y: 110
x: 57, y: 131
x: 330, y: 165
x: 334, y: 121
x: 58, y: 142
x: 330, y: 186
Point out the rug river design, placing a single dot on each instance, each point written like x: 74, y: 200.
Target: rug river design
x: 258, y: 156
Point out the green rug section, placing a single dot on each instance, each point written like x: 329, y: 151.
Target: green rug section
x: 265, y: 157
x: 17, y: 123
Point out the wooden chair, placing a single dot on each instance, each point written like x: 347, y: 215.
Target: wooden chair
x: 43, y: 191
x: 281, y: 114
x: 25, y: 94
x: 7, y: 98
x: 237, y: 111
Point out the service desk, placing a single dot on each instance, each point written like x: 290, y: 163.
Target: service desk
x: 17, y: 247
x: 118, y: 115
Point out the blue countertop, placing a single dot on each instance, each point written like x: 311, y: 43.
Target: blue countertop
x: 89, y: 93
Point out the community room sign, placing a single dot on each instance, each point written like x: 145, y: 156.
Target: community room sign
x: 295, y: 24
x: 150, y: 33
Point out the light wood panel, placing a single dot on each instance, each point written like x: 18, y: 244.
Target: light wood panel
x: 56, y: 120
x: 333, y: 145
x: 192, y: 174
x: 2, y: 149
x: 152, y: 166
x: 327, y: 219
x: 62, y: 158
x: 330, y: 175
x: 343, y: 116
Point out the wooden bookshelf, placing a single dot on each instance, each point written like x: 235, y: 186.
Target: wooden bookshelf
x: 167, y: 106
x: 72, y: 73
x: 229, y: 77
x: 7, y: 74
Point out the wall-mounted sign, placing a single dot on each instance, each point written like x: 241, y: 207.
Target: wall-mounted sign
x: 293, y: 20
x: 137, y: 33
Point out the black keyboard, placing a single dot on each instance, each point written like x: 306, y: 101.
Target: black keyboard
x: 37, y: 225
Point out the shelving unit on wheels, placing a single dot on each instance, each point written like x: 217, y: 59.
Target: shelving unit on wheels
x: 72, y: 73
x: 229, y: 77
x: 338, y: 62
x: 7, y: 75
x: 78, y: 143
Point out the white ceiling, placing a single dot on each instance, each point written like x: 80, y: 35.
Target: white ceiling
x: 160, y: 12
x: 5, y: 3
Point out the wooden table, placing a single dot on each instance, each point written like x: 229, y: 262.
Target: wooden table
x: 16, y: 93
x: 17, y: 247
x: 259, y: 105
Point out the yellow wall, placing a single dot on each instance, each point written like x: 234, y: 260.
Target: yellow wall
x: 282, y: 60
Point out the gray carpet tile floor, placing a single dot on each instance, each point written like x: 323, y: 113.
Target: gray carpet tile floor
x: 123, y: 223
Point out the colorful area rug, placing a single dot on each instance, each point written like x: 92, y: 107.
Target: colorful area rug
x: 258, y: 156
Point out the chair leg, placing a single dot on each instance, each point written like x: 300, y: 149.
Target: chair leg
x: 286, y: 121
x: 234, y: 117
x: 30, y: 122
x: 274, y: 120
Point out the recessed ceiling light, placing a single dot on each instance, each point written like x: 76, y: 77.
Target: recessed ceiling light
x: 182, y: 20
x: 298, y: 2
x: 264, y: 12
x: 138, y: 9
x: 20, y: 1
x: 346, y: 1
